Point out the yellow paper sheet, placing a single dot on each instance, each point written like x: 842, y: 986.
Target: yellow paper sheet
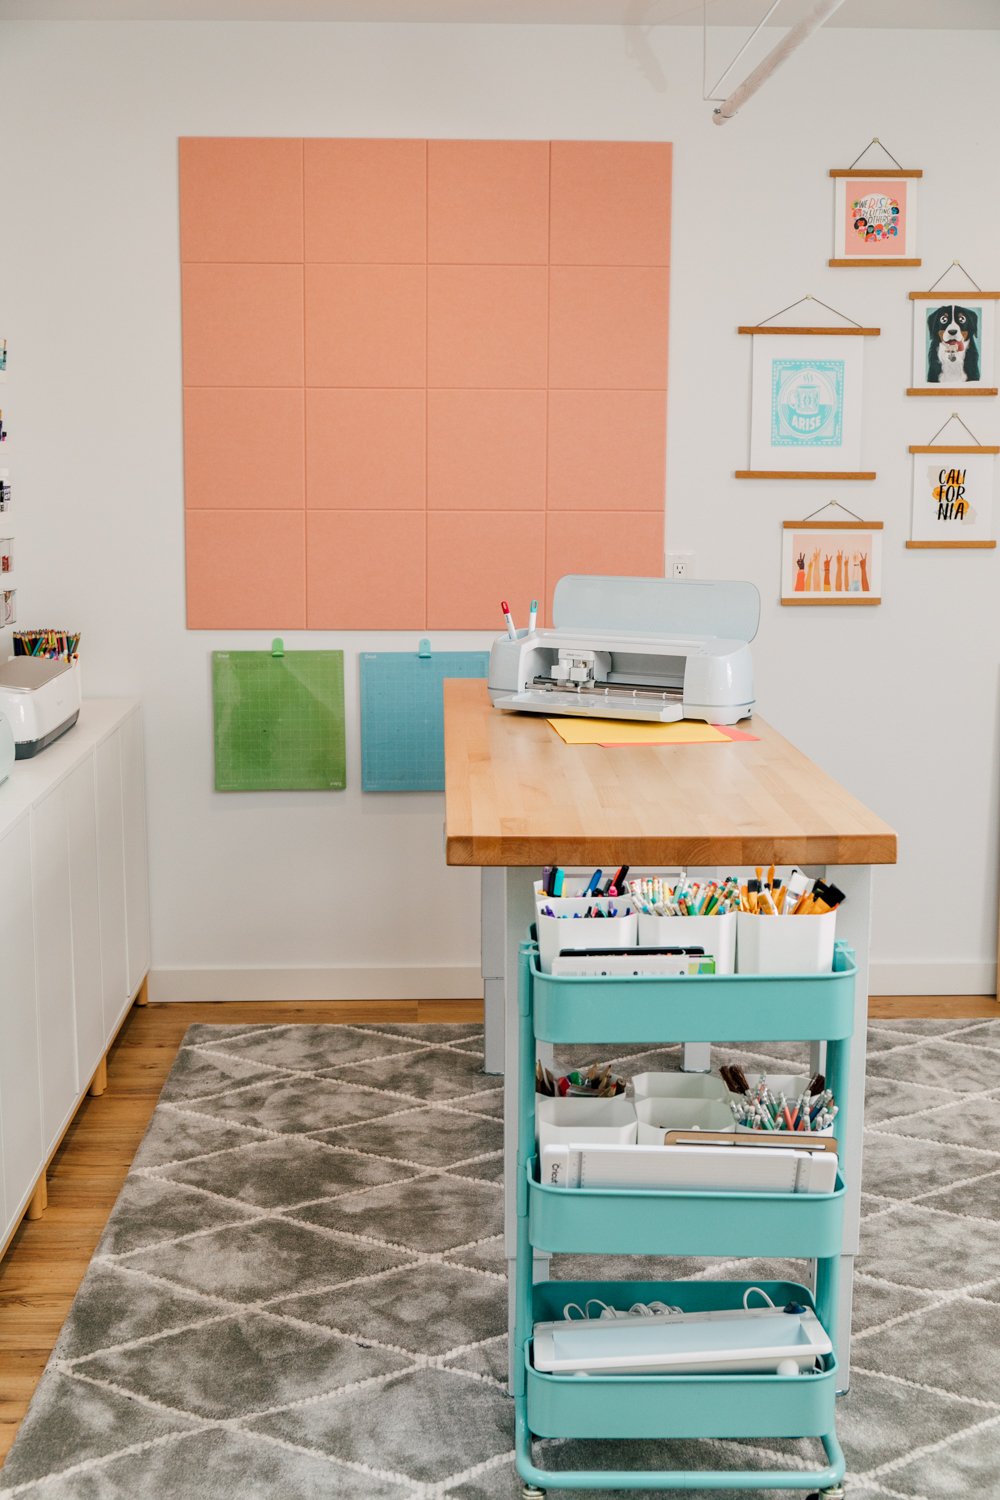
x: 633, y: 732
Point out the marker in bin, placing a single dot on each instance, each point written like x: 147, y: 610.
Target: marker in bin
x: 554, y: 883
x: 761, y: 1109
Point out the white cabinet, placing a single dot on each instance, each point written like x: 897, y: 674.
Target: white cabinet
x: 111, y: 879
x: 74, y: 931
x: 88, y: 992
x: 136, y: 879
x: 50, y: 896
x: 20, y: 1089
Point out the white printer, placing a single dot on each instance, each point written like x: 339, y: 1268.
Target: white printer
x: 635, y: 648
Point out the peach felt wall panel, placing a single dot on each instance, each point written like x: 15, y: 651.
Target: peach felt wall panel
x: 419, y: 376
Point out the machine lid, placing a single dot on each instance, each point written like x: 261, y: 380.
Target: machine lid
x: 25, y: 673
x: 658, y: 606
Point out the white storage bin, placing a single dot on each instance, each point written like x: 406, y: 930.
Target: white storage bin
x: 655, y: 1116
x: 570, y: 928
x: 717, y: 935
x: 680, y: 1086
x: 591, y: 1122
x: 785, y: 945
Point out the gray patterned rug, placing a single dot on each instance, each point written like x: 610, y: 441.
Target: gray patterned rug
x: 300, y: 1291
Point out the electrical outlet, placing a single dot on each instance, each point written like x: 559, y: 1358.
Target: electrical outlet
x: 680, y: 565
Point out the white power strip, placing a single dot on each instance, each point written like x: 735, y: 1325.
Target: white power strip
x: 757, y: 1340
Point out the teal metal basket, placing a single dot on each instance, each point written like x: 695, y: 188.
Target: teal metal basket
x: 700, y: 1008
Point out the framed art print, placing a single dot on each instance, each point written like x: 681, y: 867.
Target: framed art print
x: 954, y: 343
x: 805, y: 415
x: 875, y: 217
x: 831, y: 562
x: 952, y: 502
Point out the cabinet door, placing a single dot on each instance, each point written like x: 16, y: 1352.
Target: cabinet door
x: 136, y: 876
x: 111, y: 880
x: 20, y: 1091
x: 86, y: 917
x: 50, y: 894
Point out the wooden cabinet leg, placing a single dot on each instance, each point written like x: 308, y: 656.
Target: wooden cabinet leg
x: 142, y: 998
x: 100, y: 1079
x: 38, y: 1200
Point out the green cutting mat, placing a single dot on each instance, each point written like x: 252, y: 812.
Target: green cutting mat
x: 279, y: 721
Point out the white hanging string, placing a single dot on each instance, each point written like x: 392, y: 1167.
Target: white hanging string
x: 713, y: 97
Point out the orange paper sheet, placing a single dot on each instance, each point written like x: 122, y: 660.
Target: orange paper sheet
x: 633, y: 732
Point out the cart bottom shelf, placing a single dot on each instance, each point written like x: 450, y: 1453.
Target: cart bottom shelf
x: 675, y: 1406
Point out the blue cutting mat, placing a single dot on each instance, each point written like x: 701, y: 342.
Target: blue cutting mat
x: 402, y: 716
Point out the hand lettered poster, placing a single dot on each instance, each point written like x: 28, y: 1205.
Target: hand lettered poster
x: 806, y: 406
x: 953, y: 496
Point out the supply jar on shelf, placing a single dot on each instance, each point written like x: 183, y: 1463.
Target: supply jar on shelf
x: 569, y: 926
x: 717, y: 935
x: 785, y: 945
x: 591, y: 1122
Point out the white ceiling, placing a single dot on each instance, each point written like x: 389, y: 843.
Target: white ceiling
x: 904, y: 14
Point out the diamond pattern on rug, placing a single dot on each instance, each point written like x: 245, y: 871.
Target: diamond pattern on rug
x: 301, y: 1291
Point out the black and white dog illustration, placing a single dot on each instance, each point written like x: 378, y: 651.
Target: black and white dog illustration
x: 953, y: 353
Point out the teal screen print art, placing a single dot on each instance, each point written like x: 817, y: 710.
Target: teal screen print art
x: 279, y: 721
x: 402, y: 715
x: 807, y: 403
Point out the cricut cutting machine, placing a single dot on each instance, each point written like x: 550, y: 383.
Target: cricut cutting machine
x: 41, y: 700
x: 634, y: 648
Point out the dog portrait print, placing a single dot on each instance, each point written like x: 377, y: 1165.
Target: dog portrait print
x: 953, y: 344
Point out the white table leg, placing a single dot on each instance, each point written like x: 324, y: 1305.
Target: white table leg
x: 493, y: 928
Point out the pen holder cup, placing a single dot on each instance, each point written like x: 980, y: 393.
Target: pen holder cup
x: 656, y: 1116
x: 784, y: 945
x: 789, y: 1084
x: 676, y: 1086
x: 570, y: 928
x: 585, y: 1122
x: 717, y: 935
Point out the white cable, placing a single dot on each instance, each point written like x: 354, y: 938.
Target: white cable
x: 762, y: 1292
x: 784, y: 49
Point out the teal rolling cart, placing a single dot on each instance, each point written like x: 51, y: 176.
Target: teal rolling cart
x: 652, y: 1011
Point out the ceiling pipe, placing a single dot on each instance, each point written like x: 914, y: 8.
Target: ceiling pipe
x: 762, y: 72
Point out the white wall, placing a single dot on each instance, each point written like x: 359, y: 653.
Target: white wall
x: 899, y: 703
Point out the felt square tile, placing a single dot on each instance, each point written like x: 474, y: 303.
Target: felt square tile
x: 486, y: 450
x: 242, y: 325
x: 486, y: 326
x: 365, y: 200
x: 245, y: 570
x: 367, y: 570
x: 475, y: 560
x: 608, y: 328
x: 241, y: 199
x: 629, y: 545
x: 365, y: 449
x: 365, y: 325
x: 607, y: 448
x: 488, y: 202
x: 610, y: 203
x: 243, y: 449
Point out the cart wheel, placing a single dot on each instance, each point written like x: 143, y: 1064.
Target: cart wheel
x: 531, y: 1492
x: 835, y: 1492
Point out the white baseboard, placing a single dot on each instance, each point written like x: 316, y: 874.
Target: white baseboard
x: 932, y: 979
x: 463, y: 982
x: 393, y: 982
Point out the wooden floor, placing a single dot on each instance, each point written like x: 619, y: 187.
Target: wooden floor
x: 47, y: 1258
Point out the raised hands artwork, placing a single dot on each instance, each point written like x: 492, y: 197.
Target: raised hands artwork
x: 831, y: 562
